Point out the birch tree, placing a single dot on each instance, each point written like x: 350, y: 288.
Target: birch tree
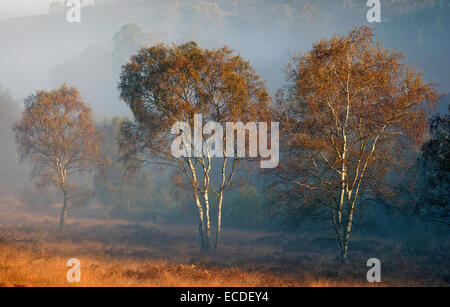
x: 348, y: 110
x: 57, y: 134
x: 165, y: 85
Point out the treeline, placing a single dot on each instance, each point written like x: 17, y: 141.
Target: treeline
x: 11, y: 174
x: 290, y: 26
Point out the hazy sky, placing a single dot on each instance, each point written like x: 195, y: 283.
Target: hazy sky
x: 16, y: 8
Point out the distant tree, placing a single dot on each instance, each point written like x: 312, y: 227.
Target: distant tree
x: 350, y: 108
x: 129, y: 39
x: 164, y: 85
x: 56, y: 7
x: 112, y: 188
x: 128, y: 195
x: 9, y: 112
x: 248, y: 208
x: 204, y: 17
x: 434, y: 174
x: 57, y: 134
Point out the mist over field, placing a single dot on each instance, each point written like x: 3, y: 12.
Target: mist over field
x: 118, y: 221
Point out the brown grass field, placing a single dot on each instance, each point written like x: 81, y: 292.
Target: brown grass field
x: 119, y: 253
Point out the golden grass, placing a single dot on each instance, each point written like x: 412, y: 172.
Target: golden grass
x: 21, y: 267
x: 120, y: 253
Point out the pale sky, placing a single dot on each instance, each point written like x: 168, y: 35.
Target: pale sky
x: 16, y: 8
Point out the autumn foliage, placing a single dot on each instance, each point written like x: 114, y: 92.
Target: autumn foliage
x: 163, y: 85
x: 57, y: 134
x: 349, y: 109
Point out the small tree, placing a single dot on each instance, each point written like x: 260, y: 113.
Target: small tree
x: 164, y: 85
x: 57, y: 134
x: 349, y: 109
x: 434, y: 172
x: 128, y: 40
x: 9, y: 112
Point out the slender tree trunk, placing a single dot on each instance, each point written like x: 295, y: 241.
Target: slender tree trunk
x: 62, y: 220
x: 343, y: 237
x: 201, y: 226
x: 344, y: 256
x: 220, y: 198
x: 219, y: 221
x: 343, y: 247
x: 206, y: 185
x: 348, y: 231
x: 340, y: 242
x: 208, y: 222
x: 204, y: 246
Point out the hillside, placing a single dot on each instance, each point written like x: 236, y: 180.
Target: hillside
x: 268, y: 33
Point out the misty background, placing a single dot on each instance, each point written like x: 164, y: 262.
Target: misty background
x: 39, y: 49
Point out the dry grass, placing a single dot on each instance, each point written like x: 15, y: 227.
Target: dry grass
x: 119, y: 253
x: 37, y: 268
x: 31, y: 268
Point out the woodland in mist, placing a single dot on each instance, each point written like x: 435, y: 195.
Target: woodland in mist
x: 363, y: 109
